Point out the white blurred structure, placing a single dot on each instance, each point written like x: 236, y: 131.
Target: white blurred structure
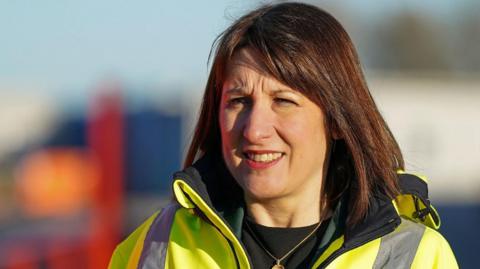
x: 436, y: 121
x: 25, y: 118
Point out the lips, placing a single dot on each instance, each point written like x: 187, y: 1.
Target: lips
x: 262, y: 159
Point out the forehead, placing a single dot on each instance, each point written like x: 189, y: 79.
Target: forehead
x: 245, y: 70
x: 243, y: 59
x: 243, y: 77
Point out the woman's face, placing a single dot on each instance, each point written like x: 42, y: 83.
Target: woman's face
x: 274, y: 141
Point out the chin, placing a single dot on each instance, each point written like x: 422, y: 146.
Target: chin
x: 261, y: 188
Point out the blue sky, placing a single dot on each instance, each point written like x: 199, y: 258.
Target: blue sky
x: 74, y: 44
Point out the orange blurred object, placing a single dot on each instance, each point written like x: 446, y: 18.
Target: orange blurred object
x: 53, y: 183
x: 58, y: 181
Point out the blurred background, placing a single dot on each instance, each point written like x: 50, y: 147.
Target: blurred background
x: 98, y: 101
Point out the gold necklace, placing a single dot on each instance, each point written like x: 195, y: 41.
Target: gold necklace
x: 278, y: 261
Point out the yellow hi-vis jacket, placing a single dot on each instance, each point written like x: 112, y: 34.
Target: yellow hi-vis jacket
x: 202, y: 229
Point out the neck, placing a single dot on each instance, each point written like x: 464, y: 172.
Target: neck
x: 285, y: 212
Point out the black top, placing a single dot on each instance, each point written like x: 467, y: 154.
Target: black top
x: 279, y: 241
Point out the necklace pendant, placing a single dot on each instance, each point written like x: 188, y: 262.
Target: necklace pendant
x: 278, y: 266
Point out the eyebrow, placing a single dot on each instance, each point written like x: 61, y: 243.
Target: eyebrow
x: 285, y: 91
x: 241, y: 90
x: 236, y: 90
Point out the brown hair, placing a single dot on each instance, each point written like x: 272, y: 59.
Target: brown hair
x: 307, y: 49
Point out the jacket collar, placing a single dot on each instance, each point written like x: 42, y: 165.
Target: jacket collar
x: 210, y: 179
x: 384, y: 213
x: 381, y: 219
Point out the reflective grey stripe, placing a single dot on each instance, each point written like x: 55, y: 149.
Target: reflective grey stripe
x: 156, y: 242
x: 398, y: 249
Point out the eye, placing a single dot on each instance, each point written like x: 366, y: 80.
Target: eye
x: 237, y: 101
x: 284, y: 101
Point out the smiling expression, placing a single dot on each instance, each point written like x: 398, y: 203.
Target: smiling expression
x: 274, y: 140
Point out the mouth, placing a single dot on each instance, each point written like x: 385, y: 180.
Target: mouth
x: 261, y: 160
x: 263, y: 157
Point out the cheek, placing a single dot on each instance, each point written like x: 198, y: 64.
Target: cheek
x: 229, y: 139
x: 227, y: 129
x: 306, y: 136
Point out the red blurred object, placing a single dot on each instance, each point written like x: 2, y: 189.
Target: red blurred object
x: 105, y: 136
x: 75, y: 196
x: 63, y: 255
x: 21, y: 257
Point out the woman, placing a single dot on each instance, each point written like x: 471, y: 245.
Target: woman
x: 291, y: 164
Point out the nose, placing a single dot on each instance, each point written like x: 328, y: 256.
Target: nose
x: 258, y: 124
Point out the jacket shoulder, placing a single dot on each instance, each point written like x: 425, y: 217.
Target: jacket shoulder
x: 434, y: 251
x: 413, y: 202
x: 129, y: 250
